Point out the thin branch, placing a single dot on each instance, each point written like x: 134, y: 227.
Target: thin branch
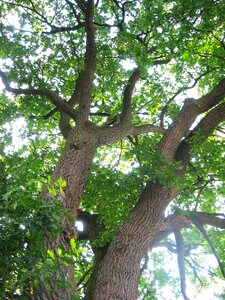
x: 164, y: 110
x: 164, y: 61
x: 178, y: 222
x: 168, y: 245
x: 120, y: 155
x: 50, y: 114
x: 71, y: 5
x: 52, y: 96
x: 194, y: 271
x: 100, y: 114
x: 32, y: 10
x: 43, y: 19
x: 84, y: 277
x: 56, y: 29
x: 181, y: 262
x: 81, y: 5
x: 205, y: 235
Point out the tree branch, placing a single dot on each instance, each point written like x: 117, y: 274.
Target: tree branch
x: 56, y: 29
x: 64, y: 124
x: 71, y: 5
x: 204, y: 233
x: 205, y: 128
x: 43, y: 19
x: 191, y: 109
x: 181, y: 262
x: 164, y: 110
x: 84, y: 83
x: 147, y: 128
x: 126, y: 111
x: 216, y: 220
x: 178, y: 222
x: 52, y: 96
x: 108, y: 135
x: 81, y: 5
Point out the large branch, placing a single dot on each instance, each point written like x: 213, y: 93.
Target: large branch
x: 182, y: 89
x: 178, y: 222
x: 53, y: 97
x: 216, y: 220
x: 191, y: 109
x: 109, y: 135
x: 172, y: 222
x: 82, y: 94
x: 126, y: 111
x: 205, y: 128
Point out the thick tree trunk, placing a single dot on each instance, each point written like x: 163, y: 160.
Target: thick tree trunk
x: 118, y: 277
x: 73, y: 167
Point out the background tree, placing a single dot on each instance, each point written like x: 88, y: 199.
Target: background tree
x: 101, y: 89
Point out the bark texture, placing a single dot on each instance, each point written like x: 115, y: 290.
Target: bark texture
x: 119, y: 275
x: 73, y: 168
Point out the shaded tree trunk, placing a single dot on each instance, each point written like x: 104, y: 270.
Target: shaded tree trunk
x: 119, y: 273
x: 73, y: 167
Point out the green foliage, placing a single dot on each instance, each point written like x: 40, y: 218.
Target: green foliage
x: 23, y: 222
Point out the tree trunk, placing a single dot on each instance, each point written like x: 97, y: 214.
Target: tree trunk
x: 73, y: 167
x: 118, y: 277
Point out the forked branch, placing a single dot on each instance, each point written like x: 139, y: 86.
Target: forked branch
x: 205, y: 128
x: 191, y: 109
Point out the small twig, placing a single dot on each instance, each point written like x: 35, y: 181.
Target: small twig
x: 194, y: 271
x: 164, y: 110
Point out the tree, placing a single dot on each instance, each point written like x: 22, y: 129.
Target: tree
x: 113, y: 76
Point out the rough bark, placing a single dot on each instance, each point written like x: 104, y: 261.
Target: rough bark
x: 119, y: 271
x: 119, y: 274
x: 73, y: 168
